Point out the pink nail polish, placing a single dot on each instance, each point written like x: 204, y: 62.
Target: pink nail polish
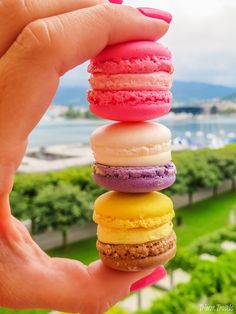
x: 116, y: 1
x: 155, y: 276
x: 156, y: 14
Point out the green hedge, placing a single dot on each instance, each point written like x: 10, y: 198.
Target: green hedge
x: 211, y: 244
x: 214, y: 280
x: 74, y: 188
x: 188, y: 258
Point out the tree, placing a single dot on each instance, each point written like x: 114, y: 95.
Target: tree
x: 72, y: 113
x: 63, y: 206
x: 194, y: 172
x: 26, y: 188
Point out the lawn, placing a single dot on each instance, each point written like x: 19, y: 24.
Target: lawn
x: 84, y: 250
x: 204, y: 217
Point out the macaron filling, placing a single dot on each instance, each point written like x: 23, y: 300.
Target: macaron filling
x: 161, y: 81
x: 141, y: 222
x: 133, y: 236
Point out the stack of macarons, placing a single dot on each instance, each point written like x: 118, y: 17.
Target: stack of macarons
x: 130, y: 84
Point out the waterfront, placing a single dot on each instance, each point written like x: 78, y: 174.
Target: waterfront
x: 198, y: 130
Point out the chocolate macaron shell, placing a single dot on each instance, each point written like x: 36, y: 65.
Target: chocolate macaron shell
x: 125, y: 257
x: 134, y: 179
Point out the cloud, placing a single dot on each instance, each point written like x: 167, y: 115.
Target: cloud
x: 201, y: 38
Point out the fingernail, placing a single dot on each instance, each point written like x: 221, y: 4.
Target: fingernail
x: 156, y: 14
x: 116, y: 1
x: 155, y: 276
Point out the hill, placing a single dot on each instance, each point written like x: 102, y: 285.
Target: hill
x: 182, y: 91
x: 231, y: 97
x: 187, y: 91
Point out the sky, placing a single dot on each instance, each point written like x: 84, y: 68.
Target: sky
x: 202, y: 39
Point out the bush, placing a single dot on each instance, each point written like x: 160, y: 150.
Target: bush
x: 192, y: 169
x: 210, y: 248
x: 60, y: 207
x: 116, y: 310
x: 229, y: 235
x: 227, y: 298
x: 208, y: 280
x: 184, y: 259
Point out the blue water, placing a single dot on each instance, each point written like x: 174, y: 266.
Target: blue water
x: 77, y: 132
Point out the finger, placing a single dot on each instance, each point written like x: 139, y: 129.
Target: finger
x: 113, y: 285
x: 48, y: 48
x: 93, y: 289
x: 10, y: 158
x: 15, y: 15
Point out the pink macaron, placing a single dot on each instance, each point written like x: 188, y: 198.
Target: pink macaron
x: 131, y: 82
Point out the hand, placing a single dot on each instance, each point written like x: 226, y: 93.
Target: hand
x: 40, y: 41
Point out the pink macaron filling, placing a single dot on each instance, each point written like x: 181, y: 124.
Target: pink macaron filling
x: 148, y: 81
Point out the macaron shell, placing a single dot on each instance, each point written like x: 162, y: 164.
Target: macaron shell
x: 134, y: 49
x: 135, y: 185
x: 129, y: 106
x: 143, y: 65
x: 130, y: 144
x: 138, y: 264
x: 127, y: 211
x: 131, y: 263
x: 130, y: 135
x: 134, y: 179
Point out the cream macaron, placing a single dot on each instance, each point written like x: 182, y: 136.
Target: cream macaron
x: 133, y: 157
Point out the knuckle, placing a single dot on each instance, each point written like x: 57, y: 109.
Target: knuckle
x: 106, y: 10
x: 36, y: 37
x: 8, y: 6
x: 13, y: 9
x: 97, y: 2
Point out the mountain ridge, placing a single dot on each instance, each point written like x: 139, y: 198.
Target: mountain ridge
x: 182, y: 92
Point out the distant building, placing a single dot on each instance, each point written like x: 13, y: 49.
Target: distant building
x: 185, y: 109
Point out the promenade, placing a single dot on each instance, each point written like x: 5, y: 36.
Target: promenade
x: 51, y: 158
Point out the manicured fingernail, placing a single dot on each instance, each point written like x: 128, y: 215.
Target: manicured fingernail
x: 156, y: 275
x: 116, y: 1
x: 156, y: 14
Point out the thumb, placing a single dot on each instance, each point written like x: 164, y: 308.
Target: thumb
x: 49, y: 47
x: 112, y: 286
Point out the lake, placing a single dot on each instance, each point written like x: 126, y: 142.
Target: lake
x: 199, y: 130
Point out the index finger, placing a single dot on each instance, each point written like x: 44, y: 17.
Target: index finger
x: 48, y: 48
x: 16, y: 14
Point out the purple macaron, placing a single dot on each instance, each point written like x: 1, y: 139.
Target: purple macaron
x: 134, y: 179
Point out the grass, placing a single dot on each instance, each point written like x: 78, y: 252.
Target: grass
x: 204, y: 217
x: 84, y: 250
